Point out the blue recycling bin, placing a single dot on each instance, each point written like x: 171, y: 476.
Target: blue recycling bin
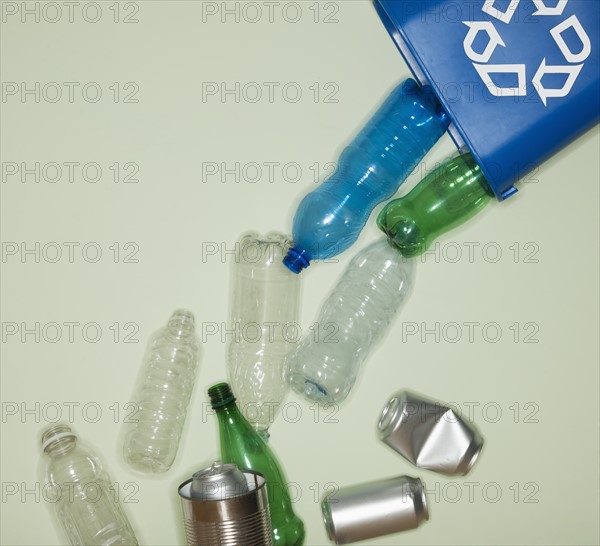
x: 519, y: 79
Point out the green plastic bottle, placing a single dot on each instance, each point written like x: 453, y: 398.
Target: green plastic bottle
x: 447, y: 197
x: 241, y: 444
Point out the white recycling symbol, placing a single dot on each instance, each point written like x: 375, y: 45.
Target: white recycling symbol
x: 572, y: 71
x: 504, y: 16
x: 494, y: 40
x: 481, y: 59
x: 543, y: 9
x: 586, y: 44
x: 485, y: 70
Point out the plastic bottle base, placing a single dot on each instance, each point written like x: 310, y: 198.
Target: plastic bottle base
x: 291, y: 538
x: 264, y: 434
x: 146, y: 464
x: 311, y: 390
x: 121, y: 541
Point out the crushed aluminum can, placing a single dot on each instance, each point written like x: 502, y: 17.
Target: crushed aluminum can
x: 429, y: 434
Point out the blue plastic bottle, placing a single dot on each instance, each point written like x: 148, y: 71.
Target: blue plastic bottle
x: 370, y: 170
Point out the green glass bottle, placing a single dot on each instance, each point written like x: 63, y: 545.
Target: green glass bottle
x: 447, y: 197
x: 241, y: 444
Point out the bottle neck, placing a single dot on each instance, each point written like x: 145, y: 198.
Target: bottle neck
x: 181, y: 325
x: 58, y: 440
x: 233, y: 426
x: 230, y: 417
x: 230, y: 412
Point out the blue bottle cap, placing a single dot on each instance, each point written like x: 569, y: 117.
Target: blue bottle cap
x: 296, y: 260
x: 520, y: 79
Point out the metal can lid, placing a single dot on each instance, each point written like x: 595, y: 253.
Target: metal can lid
x: 218, y: 482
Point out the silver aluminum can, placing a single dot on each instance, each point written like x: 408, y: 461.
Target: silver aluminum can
x: 429, y: 434
x: 374, y: 509
x: 223, y: 506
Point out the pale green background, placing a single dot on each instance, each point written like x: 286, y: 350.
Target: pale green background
x: 170, y: 213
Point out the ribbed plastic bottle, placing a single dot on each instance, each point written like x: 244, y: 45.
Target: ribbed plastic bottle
x: 264, y: 307
x: 446, y: 198
x: 352, y: 319
x: 84, y: 497
x: 243, y: 446
x: 162, y: 395
x: 369, y: 171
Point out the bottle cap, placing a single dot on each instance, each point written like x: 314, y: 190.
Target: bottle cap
x: 296, y: 260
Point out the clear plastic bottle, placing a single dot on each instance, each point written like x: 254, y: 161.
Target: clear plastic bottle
x: 352, y: 319
x: 264, y: 308
x: 162, y: 395
x: 82, y: 492
x: 370, y: 170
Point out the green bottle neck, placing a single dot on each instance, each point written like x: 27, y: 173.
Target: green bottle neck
x: 240, y: 443
x: 231, y: 416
